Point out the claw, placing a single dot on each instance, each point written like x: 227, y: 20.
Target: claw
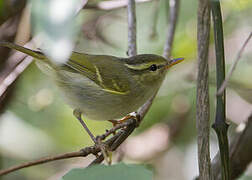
x: 124, y: 119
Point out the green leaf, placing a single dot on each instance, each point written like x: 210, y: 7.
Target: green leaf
x: 115, y: 172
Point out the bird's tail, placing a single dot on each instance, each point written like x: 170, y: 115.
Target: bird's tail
x: 41, y: 60
x: 33, y: 53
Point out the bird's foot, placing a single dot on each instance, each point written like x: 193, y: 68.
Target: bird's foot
x: 133, y: 115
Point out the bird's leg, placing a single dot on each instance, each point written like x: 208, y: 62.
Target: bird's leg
x: 77, y: 113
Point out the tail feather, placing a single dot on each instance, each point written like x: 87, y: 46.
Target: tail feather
x: 33, y: 53
x: 44, y: 64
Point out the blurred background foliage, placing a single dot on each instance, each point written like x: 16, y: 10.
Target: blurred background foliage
x: 36, y: 122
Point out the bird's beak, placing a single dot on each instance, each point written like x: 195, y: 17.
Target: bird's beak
x: 173, y: 62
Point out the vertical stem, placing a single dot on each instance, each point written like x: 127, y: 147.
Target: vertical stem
x: 132, y: 45
x: 153, y: 33
x: 202, y: 114
x: 220, y: 125
x: 173, y: 16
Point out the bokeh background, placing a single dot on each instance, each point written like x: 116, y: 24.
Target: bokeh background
x: 35, y: 121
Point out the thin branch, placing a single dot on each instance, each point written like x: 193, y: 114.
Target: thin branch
x: 114, y: 129
x: 173, y: 16
x: 220, y: 126
x: 132, y: 45
x: 224, y: 84
x: 16, y: 63
x: 14, y: 74
x: 10, y: 26
x: 170, y: 130
x: 145, y: 108
x: 8, y: 31
x: 124, y: 135
x: 81, y: 153
x: 202, y: 114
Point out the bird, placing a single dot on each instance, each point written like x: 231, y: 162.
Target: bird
x: 103, y: 87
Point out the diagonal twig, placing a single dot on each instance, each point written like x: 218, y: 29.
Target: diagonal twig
x: 81, y: 153
x: 14, y: 74
x: 133, y: 123
x: 225, y: 82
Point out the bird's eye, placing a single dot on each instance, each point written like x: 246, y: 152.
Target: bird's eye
x: 153, y: 67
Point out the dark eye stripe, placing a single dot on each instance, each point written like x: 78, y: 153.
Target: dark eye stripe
x: 151, y: 67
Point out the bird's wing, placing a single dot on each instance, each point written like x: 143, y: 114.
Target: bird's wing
x: 90, y: 66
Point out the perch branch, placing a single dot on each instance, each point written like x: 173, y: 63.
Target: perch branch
x: 17, y: 63
x: 129, y: 129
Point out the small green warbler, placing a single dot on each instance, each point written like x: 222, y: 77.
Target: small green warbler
x: 104, y: 87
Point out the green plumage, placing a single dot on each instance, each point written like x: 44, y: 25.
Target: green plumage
x: 103, y: 87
